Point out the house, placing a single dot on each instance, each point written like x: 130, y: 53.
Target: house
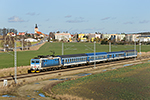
x: 62, y: 36
x: 107, y: 36
x: 11, y: 34
x: 30, y: 40
x: 82, y: 37
x: 21, y: 33
x: 132, y: 37
x: 143, y: 38
x: 120, y: 37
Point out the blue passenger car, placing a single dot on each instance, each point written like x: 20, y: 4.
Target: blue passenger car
x: 74, y: 59
x: 130, y: 53
x: 99, y: 56
x: 116, y: 55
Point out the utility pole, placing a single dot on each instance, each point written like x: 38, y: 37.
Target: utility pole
x: 62, y: 49
x: 94, y: 55
x: 140, y: 49
x: 15, y: 62
x: 22, y: 42
x: 109, y: 46
x: 135, y: 49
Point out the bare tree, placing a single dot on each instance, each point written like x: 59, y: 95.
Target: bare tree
x: 7, y: 43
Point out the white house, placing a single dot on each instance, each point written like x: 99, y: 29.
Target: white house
x: 30, y: 40
x: 132, y: 37
x: 62, y: 36
x: 143, y: 39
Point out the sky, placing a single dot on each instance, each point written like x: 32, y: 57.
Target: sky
x: 76, y: 16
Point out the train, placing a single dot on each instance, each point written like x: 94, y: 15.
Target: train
x: 51, y: 62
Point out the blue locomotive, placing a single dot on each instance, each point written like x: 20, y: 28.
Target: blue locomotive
x: 43, y: 63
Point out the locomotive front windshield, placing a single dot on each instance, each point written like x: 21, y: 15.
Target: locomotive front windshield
x: 33, y: 61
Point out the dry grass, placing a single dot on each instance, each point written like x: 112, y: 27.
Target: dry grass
x: 48, y: 91
x: 11, y: 71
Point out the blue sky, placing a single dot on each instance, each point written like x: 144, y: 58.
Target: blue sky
x: 86, y: 16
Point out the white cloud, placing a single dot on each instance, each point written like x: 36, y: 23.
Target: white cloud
x: 106, y: 18
x: 77, y: 20
x: 128, y: 23
x: 15, y: 19
x: 68, y: 16
x: 144, y: 21
x: 31, y: 13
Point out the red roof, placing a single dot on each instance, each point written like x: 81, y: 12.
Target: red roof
x: 21, y: 33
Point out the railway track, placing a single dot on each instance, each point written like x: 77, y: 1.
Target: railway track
x: 98, y: 66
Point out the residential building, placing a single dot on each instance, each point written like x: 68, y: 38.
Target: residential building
x: 120, y: 37
x: 132, y: 37
x: 11, y: 34
x: 143, y: 38
x: 82, y: 37
x: 107, y: 36
x: 62, y: 36
x: 30, y: 40
x: 21, y: 33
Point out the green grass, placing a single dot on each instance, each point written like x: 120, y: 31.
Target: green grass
x: 23, y: 57
x: 129, y: 83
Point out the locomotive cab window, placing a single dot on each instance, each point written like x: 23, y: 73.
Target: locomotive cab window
x: 32, y: 61
x: 37, y: 61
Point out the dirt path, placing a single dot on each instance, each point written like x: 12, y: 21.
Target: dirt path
x: 31, y: 91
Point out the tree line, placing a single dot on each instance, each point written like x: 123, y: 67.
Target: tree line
x: 7, y: 41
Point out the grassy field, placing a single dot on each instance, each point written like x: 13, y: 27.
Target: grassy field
x: 129, y: 83
x: 23, y: 57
